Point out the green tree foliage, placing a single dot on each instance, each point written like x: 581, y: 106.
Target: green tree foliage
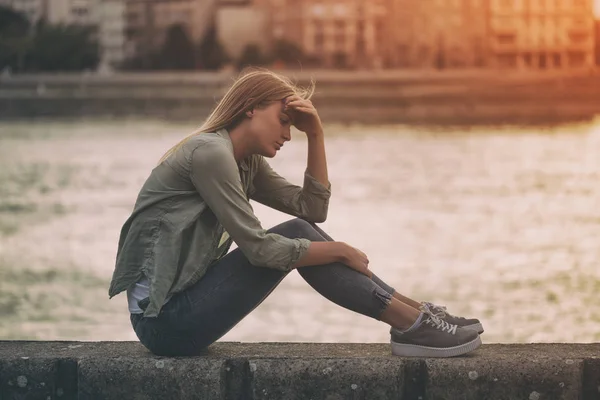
x: 178, y: 49
x: 211, y: 54
x: 64, y: 48
x: 289, y: 53
x: 15, y: 41
x: 45, y: 47
x: 252, y: 56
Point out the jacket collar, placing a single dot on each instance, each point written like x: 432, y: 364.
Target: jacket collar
x: 224, y: 133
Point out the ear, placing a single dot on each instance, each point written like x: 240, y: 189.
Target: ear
x: 250, y: 113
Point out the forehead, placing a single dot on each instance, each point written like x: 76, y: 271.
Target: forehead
x: 277, y: 106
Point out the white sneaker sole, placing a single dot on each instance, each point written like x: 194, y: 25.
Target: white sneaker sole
x: 413, y: 350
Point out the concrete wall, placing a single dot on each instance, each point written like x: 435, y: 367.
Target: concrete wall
x: 126, y: 370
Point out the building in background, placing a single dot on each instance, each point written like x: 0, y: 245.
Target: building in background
x: 336, y: 33
x: 442, y: 34
x: 533, y: 34
x: 243, y: 23
x: 597, y: 39
x: 110, y: 17
x: 439, y: 34
x: 107, y: 16
x: 72, y: 12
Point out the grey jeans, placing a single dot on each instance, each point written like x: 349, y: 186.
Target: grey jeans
x: 232, y: 288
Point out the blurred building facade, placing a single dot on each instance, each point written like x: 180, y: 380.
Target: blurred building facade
x: 110, y: 19
x: 439, y: 34
x: 514, y: 34
x: 243, y: 23
x: 520, y: 34
x: 72, y: 11
x: 334, y: 33
x: 534, y: 34
x: 597, y: 37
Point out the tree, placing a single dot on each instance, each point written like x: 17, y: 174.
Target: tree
x: 252, y: 56
x: 13, y: 23
x: 211, y: 54
x: 288, y: 52
x: 15, y: 38
x: 178, y: 50
x: 45, y: 47
x: 64, y: 48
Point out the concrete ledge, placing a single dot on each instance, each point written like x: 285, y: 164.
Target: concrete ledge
x: 126, y: 370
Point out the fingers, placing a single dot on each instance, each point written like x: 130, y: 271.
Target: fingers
x: 295, y: 98
x: 300, y: 103
x: 305, y: 110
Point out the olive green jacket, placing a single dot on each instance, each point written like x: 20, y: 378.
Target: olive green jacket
x: 191, y: 200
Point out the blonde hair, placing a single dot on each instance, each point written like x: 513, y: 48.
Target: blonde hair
x: 254, y: 88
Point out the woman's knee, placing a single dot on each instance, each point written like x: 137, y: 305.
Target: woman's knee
x: 298, y: 228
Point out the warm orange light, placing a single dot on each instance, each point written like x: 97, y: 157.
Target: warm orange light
x: 597, y: 8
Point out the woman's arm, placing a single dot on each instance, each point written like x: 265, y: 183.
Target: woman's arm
x: 309, y: 202
x: 307, y: 120
x: 321, y: 253
x: 316, y: 164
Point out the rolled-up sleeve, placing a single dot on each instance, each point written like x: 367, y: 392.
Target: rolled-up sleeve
x: 216, y: 177
x: 309, y: 202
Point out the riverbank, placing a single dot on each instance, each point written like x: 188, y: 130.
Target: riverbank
x: 411, y: 97
x: 123, y: 370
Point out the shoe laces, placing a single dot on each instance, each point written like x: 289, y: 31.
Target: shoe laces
x: 437, y: 322
x: 440, y: 311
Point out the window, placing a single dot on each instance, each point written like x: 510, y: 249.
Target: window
x: 506, y: 38
x: 578, y: 37
x: 339, y: 37
x: 507, y: 60
x: 319, y: 38
x: 576, y: 58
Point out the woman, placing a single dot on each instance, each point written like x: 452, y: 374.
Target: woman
x: 185, y: 290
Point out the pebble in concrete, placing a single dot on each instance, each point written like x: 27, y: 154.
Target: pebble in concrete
x: 21, y: 381
x: 534, y: 396
x: 25, y: 378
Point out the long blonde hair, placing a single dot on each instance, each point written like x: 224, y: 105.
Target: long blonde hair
x: 255, y: 87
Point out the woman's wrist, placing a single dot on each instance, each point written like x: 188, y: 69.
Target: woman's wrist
x: 341, y: 252
x: 315, y: 133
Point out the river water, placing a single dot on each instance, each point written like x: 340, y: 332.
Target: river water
x: 501, y: 223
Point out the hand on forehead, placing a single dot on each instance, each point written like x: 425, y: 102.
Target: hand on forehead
x: 289, y: 111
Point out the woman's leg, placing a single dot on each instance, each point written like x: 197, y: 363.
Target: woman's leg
x: 376, y: 279
x: 232, y: 288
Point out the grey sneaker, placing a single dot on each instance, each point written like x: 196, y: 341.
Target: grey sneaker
x: 441, y: 312
x: 434, y: 337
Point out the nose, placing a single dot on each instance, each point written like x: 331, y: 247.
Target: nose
x: 287, y: 135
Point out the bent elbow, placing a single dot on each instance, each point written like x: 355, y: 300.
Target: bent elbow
x: 318, y: 217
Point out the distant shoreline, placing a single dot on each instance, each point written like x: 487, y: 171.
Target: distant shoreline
x: 406, y: 97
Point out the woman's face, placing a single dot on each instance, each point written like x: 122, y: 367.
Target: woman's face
x: 270, y: 128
